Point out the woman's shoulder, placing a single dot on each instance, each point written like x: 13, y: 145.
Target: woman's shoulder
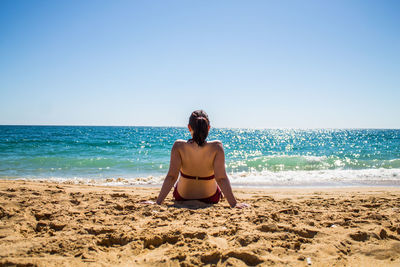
x: 180, y: 142
x: 212, y: 142
x: 215, y: 144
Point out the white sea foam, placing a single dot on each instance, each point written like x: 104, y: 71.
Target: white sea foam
x: 329, y: 178
x: 336, y: 177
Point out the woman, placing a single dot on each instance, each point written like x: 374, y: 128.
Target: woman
x: 201, y: 165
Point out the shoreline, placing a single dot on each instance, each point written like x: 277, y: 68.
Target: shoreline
x: 124, y: 183
x: 52, y: 224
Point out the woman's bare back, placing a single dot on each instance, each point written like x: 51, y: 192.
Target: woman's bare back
x: 197, y: 161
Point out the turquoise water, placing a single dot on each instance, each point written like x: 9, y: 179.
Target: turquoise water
x: 140, y: 155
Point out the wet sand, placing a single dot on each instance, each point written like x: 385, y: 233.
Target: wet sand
x: 48, y: 224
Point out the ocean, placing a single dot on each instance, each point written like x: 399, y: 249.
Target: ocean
x: 254, y: 158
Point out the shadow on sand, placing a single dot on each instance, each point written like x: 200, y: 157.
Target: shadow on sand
x: 190, y: 204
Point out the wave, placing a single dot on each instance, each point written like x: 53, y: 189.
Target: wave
x: 338, y: 177
x: 278, y: 163
x: 275, y: 163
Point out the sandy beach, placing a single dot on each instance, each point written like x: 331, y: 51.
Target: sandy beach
x: 49, y: 224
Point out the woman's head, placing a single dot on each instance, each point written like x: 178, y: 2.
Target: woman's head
x: 200, y: 125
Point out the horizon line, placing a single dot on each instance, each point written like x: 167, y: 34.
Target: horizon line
x: 173, y: 126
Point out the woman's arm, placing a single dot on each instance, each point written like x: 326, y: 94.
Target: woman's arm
x: 221, y: 177
x: 173, y: 172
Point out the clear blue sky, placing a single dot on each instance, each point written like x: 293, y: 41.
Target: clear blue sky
x: 261, y: 64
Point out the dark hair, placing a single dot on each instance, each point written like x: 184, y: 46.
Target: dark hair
x: 199, y: 122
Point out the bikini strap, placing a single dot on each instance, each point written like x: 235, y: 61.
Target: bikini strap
x: 197, y: 177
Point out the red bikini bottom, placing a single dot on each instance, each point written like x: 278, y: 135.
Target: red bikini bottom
x: 214, y: 199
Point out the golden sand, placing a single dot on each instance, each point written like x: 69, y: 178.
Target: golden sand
x: 47, y: 224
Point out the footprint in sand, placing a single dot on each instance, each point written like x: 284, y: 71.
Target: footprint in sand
x: 154, y: 241
x: 359, y: 236
x: 212, y: 258
x: 248, y: 258
x: 219, y: 242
